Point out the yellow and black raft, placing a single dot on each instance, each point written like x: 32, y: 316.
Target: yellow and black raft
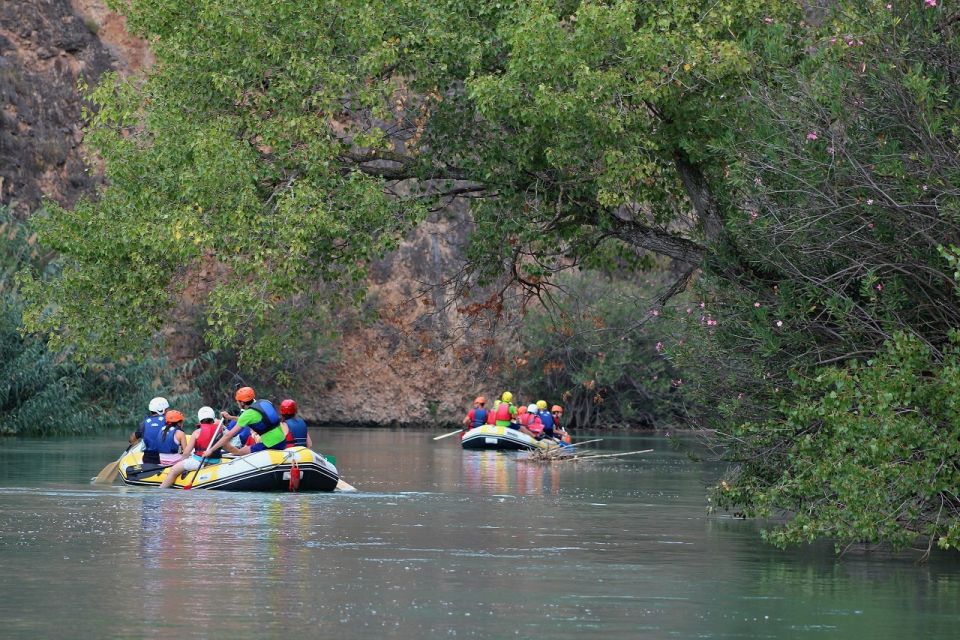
x: 294, y: 469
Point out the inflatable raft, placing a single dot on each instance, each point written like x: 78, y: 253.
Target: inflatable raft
x: 295, y: 469
x: 502, y: 439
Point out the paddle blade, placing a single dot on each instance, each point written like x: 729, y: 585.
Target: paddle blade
x: 108, y: 474
x: 345, y: 487
x: 447, y: 435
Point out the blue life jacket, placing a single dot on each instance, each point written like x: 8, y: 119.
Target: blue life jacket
x: 479, y: 417
x: 298, y: 429
x: 152, y: 426
x: 547, y: 419
x: 168, y: 441
x: 269, y: 414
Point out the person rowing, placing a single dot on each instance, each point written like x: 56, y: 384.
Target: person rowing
x: 297, y: 434
x: 150, y: 429
x: 197, y: 447
x: 261, y: 417
x: 476, y: 417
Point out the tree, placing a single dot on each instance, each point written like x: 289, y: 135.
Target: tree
x: 292, y: 142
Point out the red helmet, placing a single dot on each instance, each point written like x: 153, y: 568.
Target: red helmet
x: 288, y: 408
x: 173, y: 416
x: 245, y: 394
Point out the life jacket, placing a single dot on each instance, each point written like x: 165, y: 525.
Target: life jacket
x: 268, y: 428
x: 547, y: 419
x: 298, y: 432
x: 532, y: 422
x: 504, y: 415
x: 205, y: 439
x: 479, y: 417
x: 152, y: 426
x: 491, y: 417
x: 168, y: 440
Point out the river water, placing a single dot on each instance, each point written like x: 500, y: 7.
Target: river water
x: 437, y: 543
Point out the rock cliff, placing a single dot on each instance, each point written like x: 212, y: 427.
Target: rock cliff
x: 411, y: 367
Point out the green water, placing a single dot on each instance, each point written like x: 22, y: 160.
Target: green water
x: 438, y: 543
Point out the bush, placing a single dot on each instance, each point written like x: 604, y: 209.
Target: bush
x: 592, y: 354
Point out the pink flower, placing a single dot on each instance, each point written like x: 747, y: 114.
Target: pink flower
x: 655, y: 312
x: 739, y: 396
x: 779, y: 323
x: 756, y: 305
x: 753, y: 216
x: 711, y: 322
x: 924, y: 187
x: 870, y: 225
x: 768, y: 20
x: 703, y: 304
x: 930, y: 3
x: 889, y: 6
x: 870, y: 201
x: 689, y: 310
x: 831, y: 150
x: 659, y: 347
x: 812, y: 135
x: 879, y: 286
x: 757, y: 181
x: 678, y: 382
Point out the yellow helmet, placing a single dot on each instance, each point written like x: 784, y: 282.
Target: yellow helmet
x: 507, y: 396
x: 541, y: 404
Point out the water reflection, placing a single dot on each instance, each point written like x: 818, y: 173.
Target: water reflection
x: 508, y: 473
x: 438, y: 543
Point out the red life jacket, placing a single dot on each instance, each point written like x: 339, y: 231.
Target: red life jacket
x: 503, y: 412
x: 532, y: 422
x: 205, y: 439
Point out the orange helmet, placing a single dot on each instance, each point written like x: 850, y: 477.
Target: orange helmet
x: 521, y: 410
x: 556, y: 408
x: 173, y: 416
x: 480, y: 400
x: 245, y: 394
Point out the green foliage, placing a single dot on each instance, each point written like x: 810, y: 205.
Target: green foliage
x: 846, y: 195
x: 592, y: 354
x: 864, y: 452
x: 44, y: 393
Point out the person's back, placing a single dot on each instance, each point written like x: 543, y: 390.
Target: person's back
x: 548, y: 424
x: 531, y: 420
x: 171, y: 438
x: 476, y: 417
x: 505, y: 412
x: 297, y: 434
x: 150, y: 430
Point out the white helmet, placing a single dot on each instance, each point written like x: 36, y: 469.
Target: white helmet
x: 158, y: 405
x: 532, y: 409
x: 206, y: 413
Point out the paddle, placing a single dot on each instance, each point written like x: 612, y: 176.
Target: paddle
x: 213, y: 439
x: 109, y: 473
x: 346, y: 487
x: 447, y: 435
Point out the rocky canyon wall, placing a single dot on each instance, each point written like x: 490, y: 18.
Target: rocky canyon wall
x: 413, y: 366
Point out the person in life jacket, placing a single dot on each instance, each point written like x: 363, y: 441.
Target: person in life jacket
x: 505, y: 413
x: 476, y: 417
x: 557, y: 412
x: 149, y: 430
x: 197, y: 445
x: 172, y: 438
x: 530, y: 420
x: 546, y: 418
x: 297, y: 435
x: 259, y: 415
x: 492, y: 415
x: 522, y: 421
